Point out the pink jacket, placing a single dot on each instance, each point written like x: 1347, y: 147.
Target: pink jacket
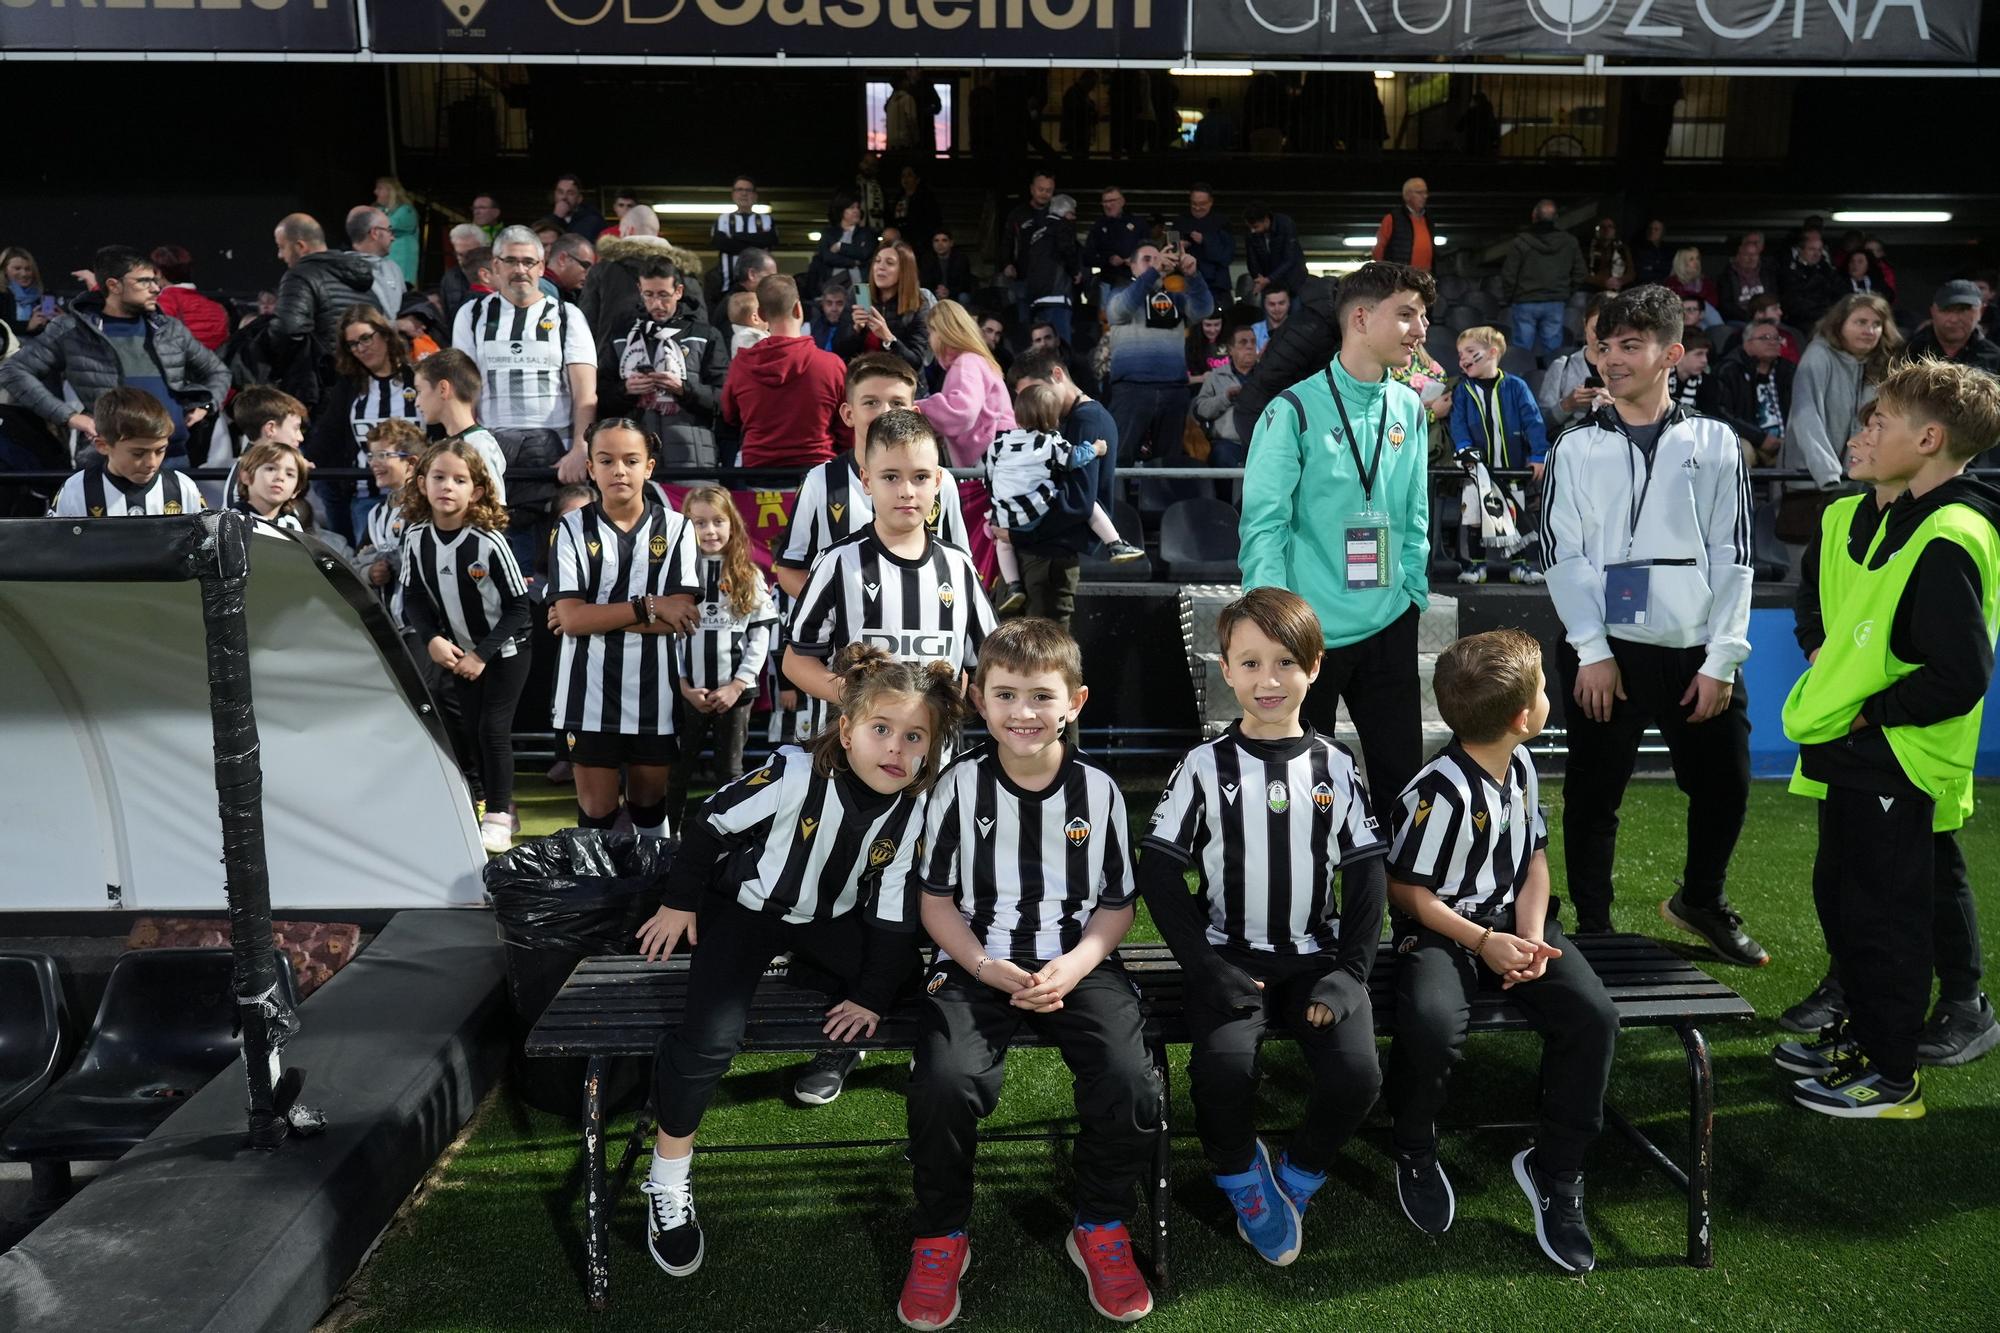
x: 970, y: 411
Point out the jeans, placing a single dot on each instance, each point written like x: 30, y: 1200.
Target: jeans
x: 1150, y: 420
x: 358, y: 509
x: 1538, y: 327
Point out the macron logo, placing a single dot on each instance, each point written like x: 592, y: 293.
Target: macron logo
x: 985, y: 826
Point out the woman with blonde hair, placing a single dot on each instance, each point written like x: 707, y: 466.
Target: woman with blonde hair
x: 972, y: 408
x: 393, y: 200
x: 1852, y: 349
x: 1686, y: 279
x: 893, y: 318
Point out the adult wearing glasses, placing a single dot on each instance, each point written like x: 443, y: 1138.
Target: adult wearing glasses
x: 538, y: 362
x: 318, y: 287
x: 110, y: 337
x: 377, y: 383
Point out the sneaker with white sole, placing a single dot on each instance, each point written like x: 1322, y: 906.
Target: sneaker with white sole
x: 1857, y: 1090
x: 1425, y: 1191
x: 1116, y: 1287
x: 1527, y: 575
x: 826, y: 1077
x: 673, y: 1232
x: 1959, y: 1032
x: 1558, y: 1202
x: 1121, y: 553
x: 496, y: 833
x: 1015, y: 599
x: 1820, y: 1010
x: 1477, y: 574
x: 1819, y: 1057
x: 930, y: 1291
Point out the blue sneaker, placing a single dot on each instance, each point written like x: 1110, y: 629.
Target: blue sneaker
x: 1265, y: 1216
x: 1298, y: 1183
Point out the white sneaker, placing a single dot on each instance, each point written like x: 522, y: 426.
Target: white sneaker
x: 1525, y: 573
x: 496, y: 834
x: 1477, y: 574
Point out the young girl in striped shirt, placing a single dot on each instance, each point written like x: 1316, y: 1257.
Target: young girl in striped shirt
x: 811, y: 855
x: 720, y: 662
x: 467, y: 602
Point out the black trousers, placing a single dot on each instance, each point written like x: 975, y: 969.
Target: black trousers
x: 1711, y: 766
x: 1223, y: 1072
x: 1957, y: 957
x: 1875, y: 882
x: 485, y: 719
x: 736, y: 946
x: 955, y: 1081
x: 694, y: 728
x: 1377, y: 679
x: 1435, y: 985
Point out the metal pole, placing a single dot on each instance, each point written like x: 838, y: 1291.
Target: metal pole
x: 265, y: 1004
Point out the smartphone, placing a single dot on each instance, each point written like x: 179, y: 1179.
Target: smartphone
x: 48, y: 306
x: 863, y: 297
x: 1173, y: 238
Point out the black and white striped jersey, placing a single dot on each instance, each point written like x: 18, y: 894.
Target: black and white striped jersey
x: 1026, y: 868
x: 97, y: 492
x: 285, y: 522
x: 384, y: 541
x: 390, y: 398
x: 833, y: 505
x: 786, y: 726
x: 809, y: 847
x: 620, y: 681
x: 725, y: 646
x: 930, y: 608
x: 1465, y: 837
x: 1267, y: 824
x: 484, y: 443
x: 1020, y: 473
x: 523, y: 354
x: 734, y: 232
x: 470, y: 581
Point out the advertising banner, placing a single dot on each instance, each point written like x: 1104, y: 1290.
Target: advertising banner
x: 179, y: 25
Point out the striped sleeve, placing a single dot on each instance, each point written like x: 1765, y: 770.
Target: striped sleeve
x: 1179, y: 818
x: 951, y: 515
x: 815, y: 627
x: 1539, y: 839
x: 941, y: 834
x: 567, y: 561
x: 1115, y: 887
x: 979, y: 619
x: 678, y: 570
x: 800, y: 534
x: 1360, y: 835
x: 752, y: 799
x: 895, y: 901
x: 1428, y: 820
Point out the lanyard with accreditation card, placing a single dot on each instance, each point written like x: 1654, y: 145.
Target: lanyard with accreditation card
x: 1366, y: 549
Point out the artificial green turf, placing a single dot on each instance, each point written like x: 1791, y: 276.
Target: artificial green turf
x: 1819, y: 1223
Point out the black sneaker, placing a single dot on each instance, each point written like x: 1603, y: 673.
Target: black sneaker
x: 1721, y: 927
x: 1820, y: 1010
x: 1959, y: 1032
x: 1015, y: 600
x: 826, y: 1076
x: 1820, y: 1057
x: 673, y: 1232
x: 1558, y: 1204
x: 1424, y: 1192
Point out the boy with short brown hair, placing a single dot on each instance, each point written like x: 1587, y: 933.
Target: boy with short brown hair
x: 133, y: 431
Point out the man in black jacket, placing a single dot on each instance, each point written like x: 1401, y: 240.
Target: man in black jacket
x: 1303, y: 345
x: 1046, y: 256
x: 1751, y: 389
x: 1953, y: 333
x: 1274, y: 255
x: 1108, y: 250
x: 319, y: 287
x: 674, y: 376
x: 1809, y: 285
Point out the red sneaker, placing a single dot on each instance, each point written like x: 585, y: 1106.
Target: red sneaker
x: 1104, y: 1253
x: 930, y: 1292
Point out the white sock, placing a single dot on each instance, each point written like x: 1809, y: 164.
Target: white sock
x: 1010, y: 565
x: 1101, y: 524
x: 658, y: 830
x: 669, y: 1170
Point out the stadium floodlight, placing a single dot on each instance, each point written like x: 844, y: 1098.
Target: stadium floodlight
x: 1363, y: 242
x: 703, y: 210
x: 1892, y: 215
x: 1385, y: 73
x: 1212, y: 71
x: 813, y: 236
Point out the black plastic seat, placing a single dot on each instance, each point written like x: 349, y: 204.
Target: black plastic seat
x: 167, y: 1025
x: 1199, y: 542
x: 1770, y: 562
x: 1096, y: 568
x: 1518, y: 361
x: 34, y: 1030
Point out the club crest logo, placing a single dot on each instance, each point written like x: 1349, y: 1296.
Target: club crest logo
x: 1396, y: 435
x: 806, y: 827
x: 547, y: 326
x: 945, y: 594
x: 937, y: 512
x: 1863, y: 633
x: 1322, y: 797
x: 837, y: 510
x: 475, y: 570
x: 570, y: 737
x: 1279, y: 797
x: 657, y: 548
x: 881, y: 853
x: 171, y: 507
x: 1077, y: 831
x: 935, y: 984
x: 465, y: 11
x: 409, y: 394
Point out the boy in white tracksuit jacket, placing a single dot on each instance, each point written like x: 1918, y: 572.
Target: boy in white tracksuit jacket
x: 1646, y: 543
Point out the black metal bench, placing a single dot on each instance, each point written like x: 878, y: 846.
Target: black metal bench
x: 619, y: 1007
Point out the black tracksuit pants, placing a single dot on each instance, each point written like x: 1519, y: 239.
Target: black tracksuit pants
x: 1223, y: 1073
x: 1377, y: 679
x: 1874, y: 884
x: 955, y: 1079
x: 736, y: 947
x: 1711, y: 763
x: 1954, y: 921
x: 1436, y: 981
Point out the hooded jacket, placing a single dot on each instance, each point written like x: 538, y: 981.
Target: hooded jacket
x: 1828, y: 393
x: 1939, y: 628
x: 73, y: 350
x: 1543, y: 264
x: 784, y: 393
x: 610, y: 297
x: 687, y: 432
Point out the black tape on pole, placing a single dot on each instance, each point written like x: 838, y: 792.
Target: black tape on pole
x: 265, y: 1006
